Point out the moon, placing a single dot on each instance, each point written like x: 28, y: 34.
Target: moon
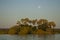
x: 38, y: 6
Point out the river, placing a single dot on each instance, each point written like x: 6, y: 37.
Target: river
x: 30, y: 37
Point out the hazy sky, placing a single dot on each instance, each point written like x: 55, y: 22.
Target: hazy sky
x: 13, y: 10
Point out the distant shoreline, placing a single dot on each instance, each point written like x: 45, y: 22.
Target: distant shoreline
x: 5, y: 31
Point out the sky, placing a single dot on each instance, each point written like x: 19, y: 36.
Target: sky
x: 13, y: 10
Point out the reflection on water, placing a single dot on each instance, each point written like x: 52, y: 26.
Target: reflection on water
x: 30, y: 37
x: 44, y: 37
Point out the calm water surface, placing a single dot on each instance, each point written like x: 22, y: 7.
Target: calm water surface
x: 30, y: 37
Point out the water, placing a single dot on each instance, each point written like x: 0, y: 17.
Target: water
x: 30, y: 37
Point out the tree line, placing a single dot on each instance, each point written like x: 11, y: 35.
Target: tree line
x: 29, y: 26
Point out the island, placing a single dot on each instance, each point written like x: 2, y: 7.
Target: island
x: 27, y: 26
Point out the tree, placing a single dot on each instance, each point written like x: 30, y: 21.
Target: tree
x: 25, y: 21
x: 22, y: 21
x: 42, y: 23
x: 38, y: 26
x: 34, y: 22
x: 18, y: 23
x: 14, y: 29
x: 52, y: 25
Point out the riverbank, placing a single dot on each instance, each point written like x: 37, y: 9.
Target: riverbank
x: 23, y: 32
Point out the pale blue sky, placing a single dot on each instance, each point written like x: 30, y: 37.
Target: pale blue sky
x: 13, y: 10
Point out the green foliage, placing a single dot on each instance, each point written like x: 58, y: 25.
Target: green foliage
x: 27, y: 26
x: 34, y: 28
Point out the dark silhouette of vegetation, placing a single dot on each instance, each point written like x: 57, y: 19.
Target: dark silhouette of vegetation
x: 27, y: 26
